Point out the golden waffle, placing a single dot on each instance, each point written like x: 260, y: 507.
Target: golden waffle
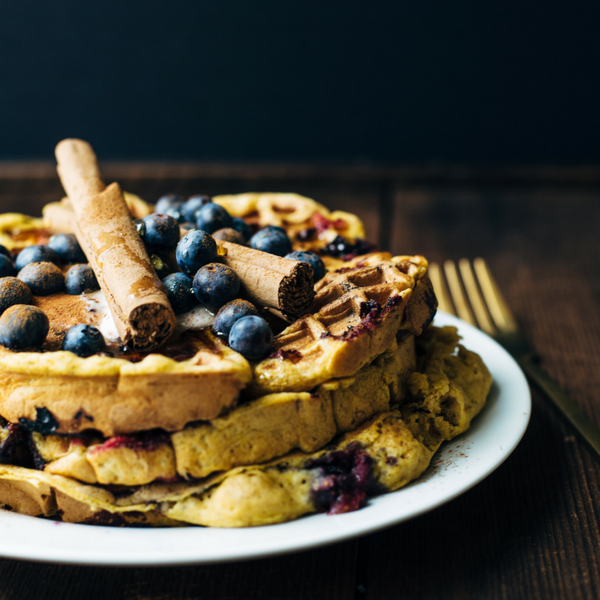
x: 18, y: 231
x: 359, y: 311
x: 254, y: 432
x: 295, y: 213
x: 391, y: 449
x: 59, y: 392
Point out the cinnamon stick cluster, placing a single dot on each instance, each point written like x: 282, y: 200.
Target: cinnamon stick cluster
x: 99, y: 217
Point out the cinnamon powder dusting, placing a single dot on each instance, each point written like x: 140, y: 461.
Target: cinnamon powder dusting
x: 63, y: 311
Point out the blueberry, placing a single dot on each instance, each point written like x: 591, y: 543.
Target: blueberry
x: 251, y: 337
x: 195, y: 249
x: 4, y: 250
x: 67, y: 247
x: 162, y: 270
x: 212, y: 217
x: 162, y: 232
x: 229, y: 234
x: 43, y: 278
x: 243, y: 227
x: 13, y: 291
x: 313, y: 260
x: 341, y: 246
x: 23, y: 327
x: 274, y: 228
x: 168, y: 201
x: 216, y: 284
x: 83, y: 340
x: 271, y: 240
x: 36, y: 254
x: 176, y: 212
x: 193, y: 205
x: 231, y: 313
x: 7, y: 269
x: 180, y: 290
x: 80, y: 279
x: 188, y: 226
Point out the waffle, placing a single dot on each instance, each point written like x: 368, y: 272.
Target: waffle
x: 17, y: 231
x: 392, y: 448
x: 296, y: 214
x: 251, y: 433
x: 358, y: 313
x: 59, y: 392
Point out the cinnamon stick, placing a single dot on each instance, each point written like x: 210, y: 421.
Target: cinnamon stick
x: 268, y: 280
x: 105, y: 230
x: 271, y: 281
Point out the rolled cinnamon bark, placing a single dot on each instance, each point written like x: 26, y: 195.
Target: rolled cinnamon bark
x: 271, y: 281
x: 105, y: 230
x: 286, y: 286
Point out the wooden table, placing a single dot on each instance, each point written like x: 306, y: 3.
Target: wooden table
x: 531, y: 529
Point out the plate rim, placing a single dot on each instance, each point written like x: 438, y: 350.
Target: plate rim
x: 229, y: 545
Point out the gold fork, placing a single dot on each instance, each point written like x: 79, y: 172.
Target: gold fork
x: 483, y: 306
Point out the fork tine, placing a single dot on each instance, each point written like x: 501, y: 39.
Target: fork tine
x: 440, y: 288
x: 477, y: 303
x: 458, y: 297
x: 497, y: 306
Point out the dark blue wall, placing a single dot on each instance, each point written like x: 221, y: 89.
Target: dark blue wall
x: 396, y: 80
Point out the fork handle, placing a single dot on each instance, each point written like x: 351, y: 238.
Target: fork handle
x: 582, y: 423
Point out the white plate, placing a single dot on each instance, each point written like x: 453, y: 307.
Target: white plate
x: 458, y: 466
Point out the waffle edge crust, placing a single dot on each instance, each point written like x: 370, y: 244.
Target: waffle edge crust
x: 115, y: 396
x: 394, y: 447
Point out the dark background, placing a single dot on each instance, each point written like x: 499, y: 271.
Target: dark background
x: 381, y: 81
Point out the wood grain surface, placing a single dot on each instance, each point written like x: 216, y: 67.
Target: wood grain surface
x: 531, y: 529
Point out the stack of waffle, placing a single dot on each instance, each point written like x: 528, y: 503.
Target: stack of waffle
x: 343, y: 409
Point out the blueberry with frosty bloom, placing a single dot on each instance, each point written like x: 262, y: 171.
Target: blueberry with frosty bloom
x: 229, y: 234
x: 252, y: 337
x: 232, y: 312
x: 13, y: 291
x: 180, y: 291
x: 162, y: 232
x: 42, y: 278
x: 23, y: 327
x: 272, y: 240
x: 274, y: 228
x: 195, y: 249
x: 243, y: 227
x: 37, y: 253
x: 215, y: 285
x: 83, y: 340
x: 7, y: 268
x: 80, y: 279
x: 212, y: 217
x: 313, y: 260
x: 67, y: 247
x: 193, y: 205
x: 169, y: 202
